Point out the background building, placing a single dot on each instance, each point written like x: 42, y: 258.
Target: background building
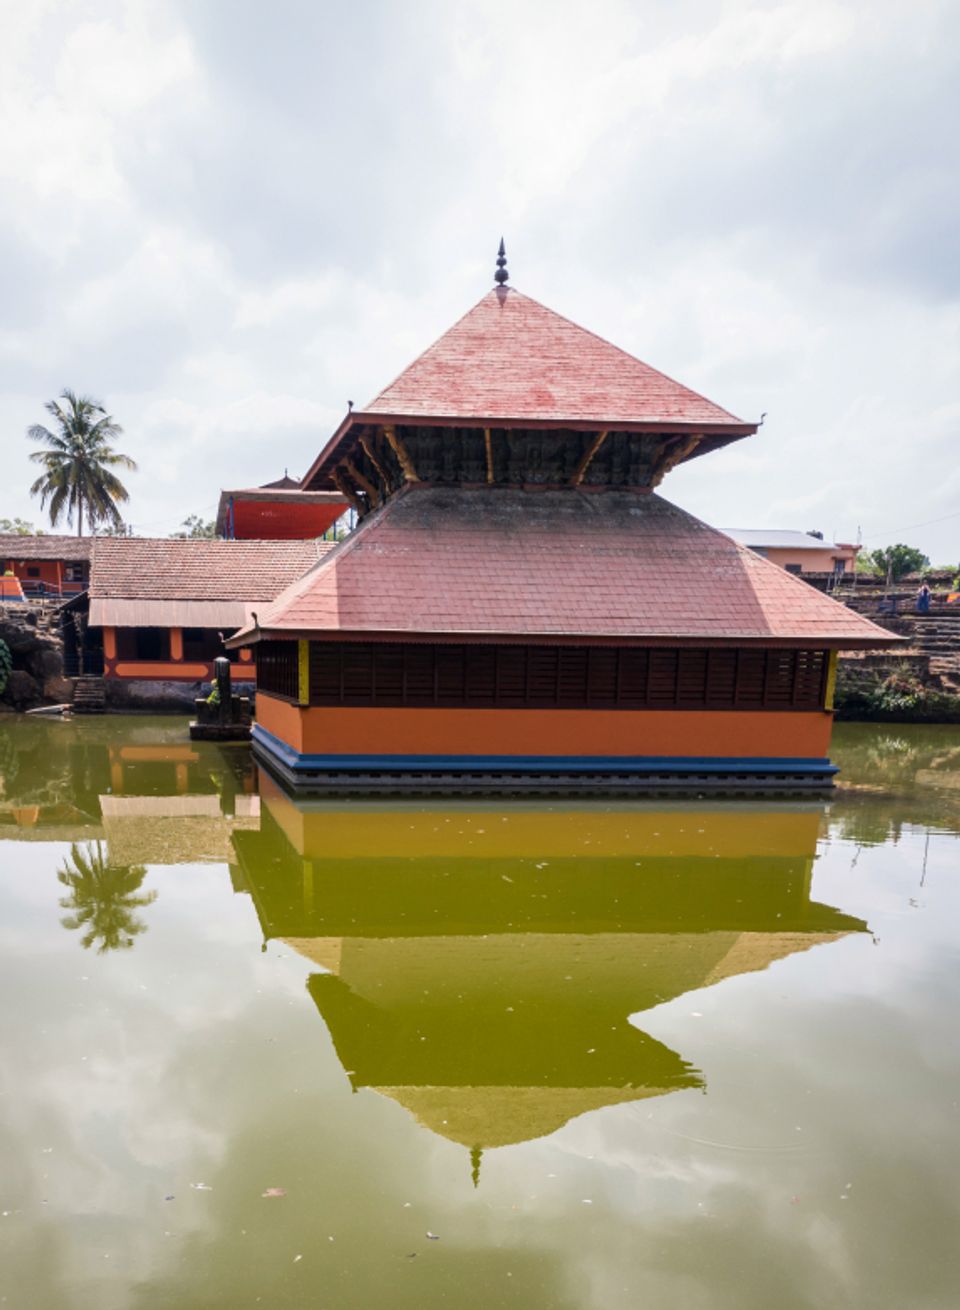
x: 47, y: 565
x: 797, y: 552
x: 161, y: 609
x: 278, y: 511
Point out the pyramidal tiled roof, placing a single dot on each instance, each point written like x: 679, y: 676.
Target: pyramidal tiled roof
x: 511, y: 361
x: 512, y: 358
x: 560, y: 564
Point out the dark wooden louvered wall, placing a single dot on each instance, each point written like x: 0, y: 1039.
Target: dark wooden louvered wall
x: 548, y: 677
x: 278, y: 668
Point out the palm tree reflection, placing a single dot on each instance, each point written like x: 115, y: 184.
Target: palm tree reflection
x: 103, y: 898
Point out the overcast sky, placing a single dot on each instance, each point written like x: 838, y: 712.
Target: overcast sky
x: 228, y: 217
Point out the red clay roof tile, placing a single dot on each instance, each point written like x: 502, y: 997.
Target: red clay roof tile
x: 561, y: 564
x: 145, y: 568
x: 44, y: 546
x: 512, y: 358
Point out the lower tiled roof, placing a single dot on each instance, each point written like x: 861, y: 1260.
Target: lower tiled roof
x: 563, y: 564
x: 169, y: 568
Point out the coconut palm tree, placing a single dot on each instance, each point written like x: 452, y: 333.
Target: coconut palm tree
x: 103, y: 898
x: 78, y: 461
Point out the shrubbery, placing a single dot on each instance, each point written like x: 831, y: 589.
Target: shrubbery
x: 897, y: 697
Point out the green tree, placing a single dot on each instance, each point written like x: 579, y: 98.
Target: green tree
x: 19, y: 528
x: 895, y: 562
x: 103, y: 898
x: 194, y: 528
x: 78, y: 462
x: 120, y: 529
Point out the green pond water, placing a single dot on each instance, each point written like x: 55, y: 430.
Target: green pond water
x: 263, y: 1053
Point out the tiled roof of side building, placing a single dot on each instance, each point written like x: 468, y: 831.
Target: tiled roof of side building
x: 512, y: 358
x: 556, y: 564
x: 157, y: 569
x: 43, y: 546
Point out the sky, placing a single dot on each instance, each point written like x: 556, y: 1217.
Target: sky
x: 227, y: 218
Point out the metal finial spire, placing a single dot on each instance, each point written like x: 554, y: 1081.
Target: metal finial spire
x: 501, y: 274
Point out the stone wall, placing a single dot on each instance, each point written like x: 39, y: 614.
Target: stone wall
x: 170, y: 696
x: 37, y: 677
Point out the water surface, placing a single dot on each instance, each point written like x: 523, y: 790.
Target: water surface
x: 258, y: 1052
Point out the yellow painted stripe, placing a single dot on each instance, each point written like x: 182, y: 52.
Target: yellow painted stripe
x: 831, y: 680
x: 304, y: 670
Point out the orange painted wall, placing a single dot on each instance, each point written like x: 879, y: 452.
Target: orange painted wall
x: 173, y: 670
x: 717, y: 734
x: 811, y: 561
x: 283, y: 720
x: 52, y: 573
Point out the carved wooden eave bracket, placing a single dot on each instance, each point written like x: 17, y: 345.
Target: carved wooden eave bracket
x: 372, y: 492
x: 587, y: 459
x: 674, y: 451
x: 349, y: 490
x: 401, y: 452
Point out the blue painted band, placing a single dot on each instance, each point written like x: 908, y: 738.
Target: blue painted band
x: 633, y: 764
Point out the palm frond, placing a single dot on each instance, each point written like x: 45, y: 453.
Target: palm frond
x: 77, y: 461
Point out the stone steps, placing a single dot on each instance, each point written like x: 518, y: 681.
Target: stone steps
x: 89, y: 695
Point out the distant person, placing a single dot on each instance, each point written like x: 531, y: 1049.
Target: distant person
x: 923, y: 599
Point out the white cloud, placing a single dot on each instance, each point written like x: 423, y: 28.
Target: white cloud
x: 229, y: 222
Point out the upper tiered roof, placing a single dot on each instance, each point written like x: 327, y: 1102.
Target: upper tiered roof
x: 512, y: 363
x: 511, y: 358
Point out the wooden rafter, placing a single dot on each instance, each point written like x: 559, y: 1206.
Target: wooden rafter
x: 670, y: 456
x: 367, y: 447
x: 362, y: 481
x: 401, y: 452
x: 587, y: 459
x: 347, y: 490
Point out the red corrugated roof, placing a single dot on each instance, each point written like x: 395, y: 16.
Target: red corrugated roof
x: 512, y: 358
x: 277, y: 495
x: 561, y: 564
x: 161, y: 569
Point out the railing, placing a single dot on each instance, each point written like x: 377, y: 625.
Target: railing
x: 35, y: 590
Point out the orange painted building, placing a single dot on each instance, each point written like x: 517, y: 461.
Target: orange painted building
x: 278, y: 511
x: 46, y: 565
x: 798, y: 552
x: 162, y: 607
x: 519, y: 609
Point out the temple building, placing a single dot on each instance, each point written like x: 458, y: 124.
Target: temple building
x: 488, y: 970
x: 278, y: 511
x: 519, y: 607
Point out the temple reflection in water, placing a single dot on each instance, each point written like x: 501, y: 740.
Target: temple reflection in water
x: 479, y: 965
